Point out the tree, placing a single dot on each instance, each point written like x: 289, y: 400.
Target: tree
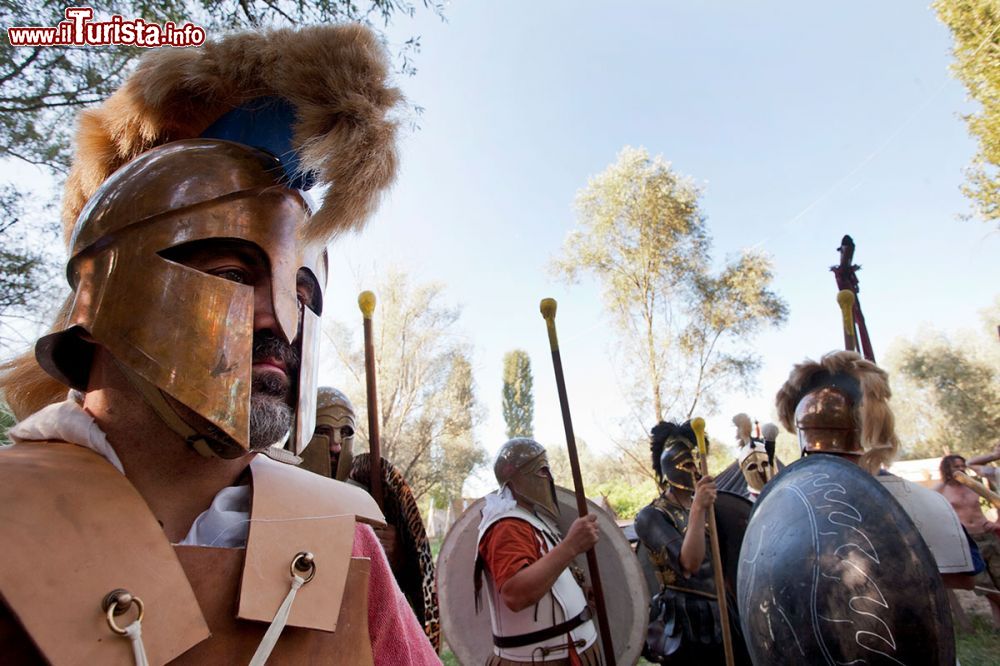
x: 684, y: 333
x: 946, y: 392
x: 518, y: 399
x: 42, y: 88
x: 975, y: 25
x: 27, y: 277
x: 427, y: 405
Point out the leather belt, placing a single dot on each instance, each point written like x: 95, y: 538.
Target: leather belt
x: 520, y: 640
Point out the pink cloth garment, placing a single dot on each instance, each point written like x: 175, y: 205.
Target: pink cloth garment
x: 396, y: 636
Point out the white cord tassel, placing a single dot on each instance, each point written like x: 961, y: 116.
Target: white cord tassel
x: 277, y: 624
x: 134, y: 634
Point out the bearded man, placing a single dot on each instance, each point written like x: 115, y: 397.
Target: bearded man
x: 538, y: 608
x: 403, y: 537
x: 154, y: 524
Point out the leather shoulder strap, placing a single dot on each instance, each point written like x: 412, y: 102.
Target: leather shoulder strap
x: 74, y: 529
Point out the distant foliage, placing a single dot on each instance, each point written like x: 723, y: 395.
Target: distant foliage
x: 946, y: 391
x: 975, y: 26
x: 7, y: 421
x: 518, y: 397
x: 428, y: 409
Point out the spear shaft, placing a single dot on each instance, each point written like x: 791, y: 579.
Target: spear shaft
x: 366, y: 301
x: 548, y: 308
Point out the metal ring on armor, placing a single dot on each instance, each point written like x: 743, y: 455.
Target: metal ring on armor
x: 118, y: 602
x: 303, y: 563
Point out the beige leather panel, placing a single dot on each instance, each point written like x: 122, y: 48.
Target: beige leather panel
x: 296, y: 511
x: 215, y: 575
x: 73, y: 529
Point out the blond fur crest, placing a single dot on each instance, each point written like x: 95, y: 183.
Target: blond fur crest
x: 878, y: 435
x: 336, y: 77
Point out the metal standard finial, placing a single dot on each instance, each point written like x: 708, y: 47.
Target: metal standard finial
x: 366, y: 301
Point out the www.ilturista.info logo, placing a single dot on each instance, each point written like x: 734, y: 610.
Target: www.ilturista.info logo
x: 79, y: 30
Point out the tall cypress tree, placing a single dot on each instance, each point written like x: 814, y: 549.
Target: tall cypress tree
x: 518, y: 399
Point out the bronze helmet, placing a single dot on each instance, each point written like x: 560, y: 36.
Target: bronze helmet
x: 174, y: 329
x: 522, y: 465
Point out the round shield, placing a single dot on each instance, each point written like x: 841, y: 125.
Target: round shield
x: 833, y: 571
x: 470, y: 635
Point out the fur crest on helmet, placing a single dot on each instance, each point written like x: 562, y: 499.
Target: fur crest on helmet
x: 878, y: 435
x: 336, y: 77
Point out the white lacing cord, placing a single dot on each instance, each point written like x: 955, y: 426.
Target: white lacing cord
x: 273, y: 632
x: 134, y: 634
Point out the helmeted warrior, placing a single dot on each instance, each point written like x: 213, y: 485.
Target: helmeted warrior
x: 154, y: 528
x: 755, y: 455
x: 538, y: 609
x: 684, y: 622
x: 840, y: 405
x: 404, y: 537
x: 331, y: 450
x: 831, y: 563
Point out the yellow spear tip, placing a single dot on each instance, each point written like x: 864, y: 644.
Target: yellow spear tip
x: 548, y: 308
x: 845, y: 297
x: 698, y: 425
x: 366, y: 301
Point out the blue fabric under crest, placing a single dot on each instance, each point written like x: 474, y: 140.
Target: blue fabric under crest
x: 264, y: 123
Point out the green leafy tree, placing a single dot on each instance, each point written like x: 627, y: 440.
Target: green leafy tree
x: 27, y: 275
x: 946, y: 391
x: 975, y: 26
x: 684, y: 332
x: 43, y: 88
x: 428, y: 408
x: 518, y: 398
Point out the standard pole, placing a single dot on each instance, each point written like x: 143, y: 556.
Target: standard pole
x: 548, y: 308
x: 366, y: 301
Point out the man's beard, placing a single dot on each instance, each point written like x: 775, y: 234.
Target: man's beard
x: 270, y: 392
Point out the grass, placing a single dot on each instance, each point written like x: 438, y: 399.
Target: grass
x: 982, y: 646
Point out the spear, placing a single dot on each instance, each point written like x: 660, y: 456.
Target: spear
x: 698, y: 425
x: 366, y: 301
x: 548, y: 308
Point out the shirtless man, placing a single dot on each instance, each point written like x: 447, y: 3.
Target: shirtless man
x: 985, y: 532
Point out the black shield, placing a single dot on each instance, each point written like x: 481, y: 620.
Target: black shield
x: 833, y: 571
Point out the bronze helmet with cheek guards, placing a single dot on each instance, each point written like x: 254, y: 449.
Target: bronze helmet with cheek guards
x: 335, y: 413
x: 522, y: 465
x: 174, y: 330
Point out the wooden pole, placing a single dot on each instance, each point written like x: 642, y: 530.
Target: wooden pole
x: 548, y: 308
x: 366, y: 301
x: 698, y: 425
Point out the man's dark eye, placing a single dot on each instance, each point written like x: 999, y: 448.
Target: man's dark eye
x: 233, y: 275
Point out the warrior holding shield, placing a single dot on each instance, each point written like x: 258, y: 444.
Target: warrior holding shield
x: 538, y: 609
x: 835, y: 566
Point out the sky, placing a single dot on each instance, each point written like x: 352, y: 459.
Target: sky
x: 802, y: 122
